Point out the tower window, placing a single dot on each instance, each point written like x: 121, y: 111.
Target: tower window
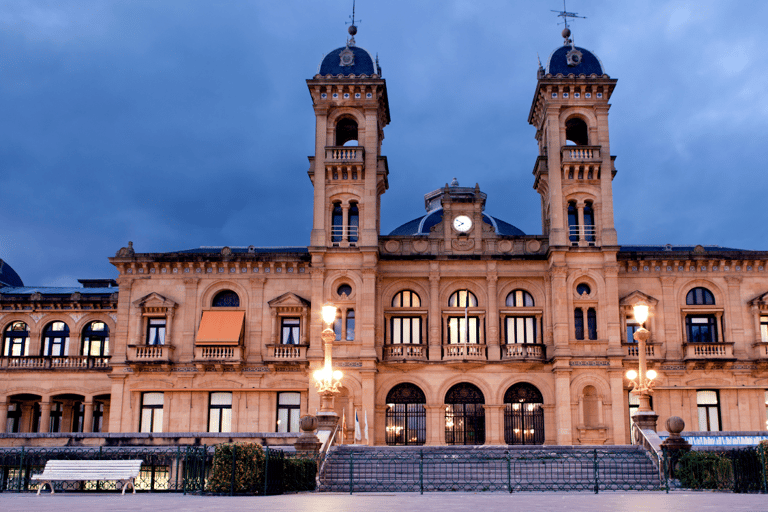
x: 589, y: 223
x: 578, y: 321
x: 576, y: 132
x: 354, y: 221
x: 346, y: 131
x: 573, y: 223
x: 337, y: 224
x: 592, y: 323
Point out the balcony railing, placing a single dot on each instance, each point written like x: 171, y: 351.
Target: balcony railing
x: 283, y: 353
x: 464, y: 351
x: 580, y: 154
x: 405, y: 352
x: 582, y: 235
x: 149, y: 353
x: 55, y: 363
x: 219, y: 353
x: 354, y: 154
x: 344, y: 236
x: 651, y: 352
x: 523, y: 351
x: 708, y: 351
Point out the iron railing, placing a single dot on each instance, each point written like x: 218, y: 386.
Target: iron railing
x: 523, y: 423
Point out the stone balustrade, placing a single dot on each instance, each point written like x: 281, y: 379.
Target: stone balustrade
x: 281, y: 353
x: 55, y: 363
x: 464, y: 352
x: 523, y: 351
x: 405, y: 352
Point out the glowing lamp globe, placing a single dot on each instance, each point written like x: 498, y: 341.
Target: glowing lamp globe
x: 329, y: 313
x: 641, y: 313
x: 651, y: 374
x: 631, y: 374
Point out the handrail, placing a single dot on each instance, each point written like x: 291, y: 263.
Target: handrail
x: 651, y: 442
x: 323, y: 455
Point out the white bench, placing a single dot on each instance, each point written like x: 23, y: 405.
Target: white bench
x: 122, y: 471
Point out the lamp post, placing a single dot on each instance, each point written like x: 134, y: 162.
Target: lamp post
x: 642, y: 382
x: 327, y: 380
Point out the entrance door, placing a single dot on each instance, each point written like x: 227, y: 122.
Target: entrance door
x: 464, y: 415
x: 523, y: 415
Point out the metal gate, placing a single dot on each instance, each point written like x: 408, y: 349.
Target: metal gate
x: 523, y: 415
x: 406, y: 417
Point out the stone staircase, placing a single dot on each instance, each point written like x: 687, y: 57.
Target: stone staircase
x: 350, y: 468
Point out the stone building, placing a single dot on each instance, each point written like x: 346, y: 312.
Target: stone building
x: 455, y: 328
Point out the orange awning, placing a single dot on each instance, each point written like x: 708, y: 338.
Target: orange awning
x: 220, y: 327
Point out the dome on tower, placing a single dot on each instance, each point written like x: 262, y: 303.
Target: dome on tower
x: 8, y: 276
x: 570, y: 59
x: 348, y: 60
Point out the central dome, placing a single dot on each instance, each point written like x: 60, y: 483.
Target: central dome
x: 569, y: 59
x: 348, y: 60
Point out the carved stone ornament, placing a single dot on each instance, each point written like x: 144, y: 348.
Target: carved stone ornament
x: 420, y: 245
x: 463, y: 244
x: 37, y: 296
x: 76, y: 297
x: 392, y: 246
x: 573, y: 57
x: 126, y: 252
x: 226, y: 251
x: 346, y: 57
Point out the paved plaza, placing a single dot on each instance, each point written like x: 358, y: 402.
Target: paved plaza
x: 385, y: 502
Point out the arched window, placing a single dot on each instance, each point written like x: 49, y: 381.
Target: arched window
x: 406, y: 299
x: 346, y: 131
x: 405, y: 329
x: 589, y: 223
x: 573, y: 223
x: 462, y: 299
x: 578, y: 322
x: 523, y: 415
x: 406, y: 421
x: 583, y: 288
x: 700, y: 297
x: 337, y: 224
x: 464, y: 328
x: 344, y: 289
x: 576, y: 132
x: 16, y: 340
x: 226, y: 299
x: 55, y: 340
x: 464, y: 415
x: 519, y: 299
x: 354, y: 222
x: 96, y: 339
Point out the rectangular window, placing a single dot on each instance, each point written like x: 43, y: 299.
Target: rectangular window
x: 220, y: 412
x: 151, y: 412
x: 78, y: 416
x: 16, y: 346
x: 632, y: 328
x: 350, y: 325
x: 592, y: 323
x: 521, y: 329
x: 709, y: 410
x: 406, y: 330
x: 98, y: 416
x: 13, y: 421
x: 290, y: 331
x: 463, y: 330
x: 578, y: 322
x: 57, y: 408
x: 764, y: 329
x: 701, y: 328
x: 288, y: 411
x: 156, y: 331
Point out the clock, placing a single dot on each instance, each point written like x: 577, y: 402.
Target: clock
x: 462, y: 223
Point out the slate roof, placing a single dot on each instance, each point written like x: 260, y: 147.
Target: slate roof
x: 242, y: 250
x: 364, y: 64
x: 422, y: 225
x: 674, y: 248
x: 558, y: 63
x: 8, y: 276
x: 56, y: 290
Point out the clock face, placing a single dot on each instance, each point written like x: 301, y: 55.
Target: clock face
x: 462, y: 223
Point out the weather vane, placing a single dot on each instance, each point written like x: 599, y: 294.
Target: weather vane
x: 565, y: 15
x: 352, y: 27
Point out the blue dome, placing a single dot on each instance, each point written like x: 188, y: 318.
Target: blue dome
x: 8, y: 276
x: 363, y: 63
x: 423, y: 225
x: 588, y: 63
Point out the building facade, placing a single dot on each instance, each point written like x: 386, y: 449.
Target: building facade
x: 455, y: 328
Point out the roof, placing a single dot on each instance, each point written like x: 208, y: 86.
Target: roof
x: 674, y: 248
x: 216, y: 249
x: 588, y: 64
x: 423, y: 225
x: 8, y: 276
x: 363, y: 63
x: 55, y: 290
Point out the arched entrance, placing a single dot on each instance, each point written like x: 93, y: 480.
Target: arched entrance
x: 523, y: 415
x: 464, y: 415
x: 406, y: 417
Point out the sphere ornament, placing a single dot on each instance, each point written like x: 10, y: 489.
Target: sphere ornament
x: 308, y: 423
x: 675, y: 425
x: 566, y: 33
x: 352, y: 30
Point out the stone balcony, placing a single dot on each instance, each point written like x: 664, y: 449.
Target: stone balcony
x: 64, y: 363
x: 218, y: 354
x: 465, y: 352
x: 344, y: 154
x: 524, y: 352
x: 652, y: 351
x: 761, y: 351
x: 580, y: 154
x: 708, y: 351
x: 286, y: 353
x: 149, y: 353
x: 405, y: 352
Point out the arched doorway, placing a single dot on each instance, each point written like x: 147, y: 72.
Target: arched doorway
x: 464, y: 415
x: 406, y: 416
x: 523, y: 415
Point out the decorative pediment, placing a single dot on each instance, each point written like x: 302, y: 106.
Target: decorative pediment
x: 156, y: 303
x: 638, y: 296
x: 289, y: 300
x: 761, y: 301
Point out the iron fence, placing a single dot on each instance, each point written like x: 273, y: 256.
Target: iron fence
x: 740, y: 470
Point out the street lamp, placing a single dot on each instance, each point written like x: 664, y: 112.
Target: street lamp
x: 642, y: 382
x: 327, y: 380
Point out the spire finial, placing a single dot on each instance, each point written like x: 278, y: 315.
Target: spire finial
x: 352, y: 27
x: 567, y: 31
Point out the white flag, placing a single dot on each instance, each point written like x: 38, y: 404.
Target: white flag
x: 366, y: 425
x: 358, y: 437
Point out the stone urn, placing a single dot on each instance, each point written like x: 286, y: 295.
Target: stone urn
x: 308, y: 441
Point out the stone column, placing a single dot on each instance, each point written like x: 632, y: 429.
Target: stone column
x: 734, y: 324
x: 617, y: 406
x: 315, y: 350
x: 563, y: 418
x: 88, y: 414
x: 3, y: 414
x: 45, y: 417
x: 494, y: 424
x: 435, y: 425
x: 492, y: 316
x: 674, y: 350
x: 435, y: 319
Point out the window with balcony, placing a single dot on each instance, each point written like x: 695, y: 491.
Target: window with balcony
x: 700, y: 321
x: 764, y: 329
x: 156, y: 331
x: 288, y: 412
x: 589, y: 222
x: 463, y: 329
x: 573, y: 223
x: 220, y: 412
x: 353, y: 222
x: 405, y: 327
x: 151, y: 419
x: 520, y: 328
x: 290, y: 332
x: 55, y: 339
x: 96, y: 339
x: 337, y: 224
x: 346, y: 131
x: 16, y: 340
x: 708, y: 404
x: 632, y: 327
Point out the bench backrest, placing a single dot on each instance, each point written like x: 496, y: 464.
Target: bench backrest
x: 94, y: 468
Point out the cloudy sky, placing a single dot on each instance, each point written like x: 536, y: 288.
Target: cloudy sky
x: 177, y: 124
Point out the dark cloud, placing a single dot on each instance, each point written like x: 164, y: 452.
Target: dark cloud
x: 187, y: 123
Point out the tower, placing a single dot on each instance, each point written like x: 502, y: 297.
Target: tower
x: 347, y: 171
x: 574, y: 169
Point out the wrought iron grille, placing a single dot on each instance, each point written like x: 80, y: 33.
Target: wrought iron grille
x: 464, y: 424
x: 524, y: 424
x: 406, y: 424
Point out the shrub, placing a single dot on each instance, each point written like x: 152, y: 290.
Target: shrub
x: 247, y: 459
x: 299, y: 475
x: 704, y: 470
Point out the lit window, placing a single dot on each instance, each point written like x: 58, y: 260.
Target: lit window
x: 406, y: 299
x: 462, y: 299
x: 521, y: 329
x: 288, y: 411
x: 96, y: 339
x: 406, y: 330
x: 156, y: 331
x: 151, y: 412
x: 519, y: 299
x: 709, y: 410
x: 290, y: 331
x: 220, y: 412
x: 56, y: 339
x: 16, y: 340
x: 463, y: 329
x: 701, y: 328
x: 764, y: 329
